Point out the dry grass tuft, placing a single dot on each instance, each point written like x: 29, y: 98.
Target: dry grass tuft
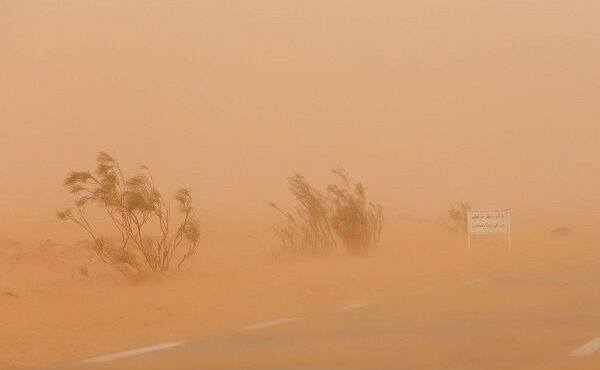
x: 456, y: 223
x: 562, y: 231
x: 307, y: 232
x: 357, y: 224
x: 8, y: 294
x: 321, y: 223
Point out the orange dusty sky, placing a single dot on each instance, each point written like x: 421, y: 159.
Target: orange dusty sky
x: 428, y: 102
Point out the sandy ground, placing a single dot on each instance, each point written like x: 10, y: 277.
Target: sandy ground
x: 53, y: 313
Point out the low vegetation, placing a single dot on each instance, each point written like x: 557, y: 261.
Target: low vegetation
x: 456, y: 222
x: 356, y: 223
x: 325, y: 222
x: 562, y: 231
x: 307, y: 232
x: 136, y: 211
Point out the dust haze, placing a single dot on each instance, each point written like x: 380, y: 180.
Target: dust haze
x: 427, y: 103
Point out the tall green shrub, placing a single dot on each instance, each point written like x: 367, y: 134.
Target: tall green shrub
x: 146, y: 239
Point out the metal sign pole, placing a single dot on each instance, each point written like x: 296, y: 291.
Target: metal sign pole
x: 508, y: 231
x: 469, y: 243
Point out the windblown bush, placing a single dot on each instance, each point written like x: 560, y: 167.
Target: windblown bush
x: 321, y: 223
x: 457, y: 219
x: 357, y: 224
x: 135, y: 209
x: 307, y: 232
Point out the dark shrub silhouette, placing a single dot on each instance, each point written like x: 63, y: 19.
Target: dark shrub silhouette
x: 135, y: 208
x: 321, y: 223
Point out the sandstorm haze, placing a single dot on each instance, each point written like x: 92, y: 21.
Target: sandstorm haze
x: 427, y: 102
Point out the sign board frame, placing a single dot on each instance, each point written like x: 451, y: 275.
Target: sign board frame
x: 491, y: 221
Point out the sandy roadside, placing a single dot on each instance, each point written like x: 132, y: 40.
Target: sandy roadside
x: 53, y: 313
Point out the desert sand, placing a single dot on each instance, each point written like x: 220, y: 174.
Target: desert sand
x: 53, y: 313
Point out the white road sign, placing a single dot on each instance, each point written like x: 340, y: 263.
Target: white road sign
x: 488, y: 221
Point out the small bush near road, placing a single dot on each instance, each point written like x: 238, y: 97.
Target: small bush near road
x: 324, y: 221
x: 306, y: 232
x: 357, y: 223
x: 456, y: 222
x: 137, y: 211
x: 562, y: 231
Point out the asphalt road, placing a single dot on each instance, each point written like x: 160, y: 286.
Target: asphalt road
x: 543, y: 318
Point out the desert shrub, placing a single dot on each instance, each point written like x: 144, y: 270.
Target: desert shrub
x: 8, y: 294
x: 306, y: 232
x: 321, y: 223
x: 356, y: 223
x: 562, y: 231
x: 135, y: 209
x: 456, y: 222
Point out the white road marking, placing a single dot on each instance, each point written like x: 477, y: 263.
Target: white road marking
x: 132, y: 352
x: 588, y: 348
x: 354, y: 306
x: 268, y: 324
x: 475, y: 281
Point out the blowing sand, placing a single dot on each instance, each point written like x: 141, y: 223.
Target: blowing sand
x: 60, y: 303
x: 429, y: 103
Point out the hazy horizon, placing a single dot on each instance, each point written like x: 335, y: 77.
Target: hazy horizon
x: 428, y: 103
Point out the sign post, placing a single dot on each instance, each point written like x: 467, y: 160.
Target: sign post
x: 488, y: 222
